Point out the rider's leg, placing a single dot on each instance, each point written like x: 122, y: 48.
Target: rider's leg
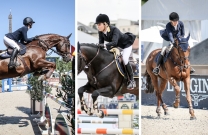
x: 126, y: 55
x: 192, y: 70
x: 156, y: 70
x: 11, y: 43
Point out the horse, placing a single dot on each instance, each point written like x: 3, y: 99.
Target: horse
x: 33, y: 60
x: 103, y: 76
x: 176, y: 68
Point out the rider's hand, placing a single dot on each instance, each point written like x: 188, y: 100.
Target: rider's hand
x: 35, y: 38
x: 101, y: 45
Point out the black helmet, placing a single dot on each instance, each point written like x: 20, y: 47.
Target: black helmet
x: 28, y: 20
x: 173, y: 16
x: 101, y: 18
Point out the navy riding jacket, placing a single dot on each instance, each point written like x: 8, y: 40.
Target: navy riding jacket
x: 116, y: 38
x: 20, y: 35
x: 170, y: 32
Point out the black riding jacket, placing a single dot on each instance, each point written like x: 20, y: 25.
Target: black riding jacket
x: 20, y: 35
x: 116, y: 38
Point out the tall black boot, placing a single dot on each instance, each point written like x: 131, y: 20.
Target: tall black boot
x: 131, y: 84
x: 192, y: 70
x: 12, y: 64
x: 156, y: 70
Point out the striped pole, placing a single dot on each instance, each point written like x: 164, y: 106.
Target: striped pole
x: 52, y: 85
x: 107, y: 131
x: 115, y: 111
x: 98, y: 121
x: 60, y: 102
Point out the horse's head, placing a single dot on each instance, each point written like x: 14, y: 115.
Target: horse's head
x: 183, y: 46
x: 81, y: 59
x: 64, y: 48
x: 61, y: 43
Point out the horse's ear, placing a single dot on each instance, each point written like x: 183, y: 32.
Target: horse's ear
x: 78, y: 46
x: 188, y: 37
x: 69, y: 36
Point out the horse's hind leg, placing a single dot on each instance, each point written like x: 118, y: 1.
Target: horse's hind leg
x: 177, y: 92
x: 81, y: 91
x: 154, y: 79
x: 163, y: 83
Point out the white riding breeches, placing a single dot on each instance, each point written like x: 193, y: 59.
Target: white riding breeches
x: 126, y: 54
x: 166, y: 48
x: 10, y: 43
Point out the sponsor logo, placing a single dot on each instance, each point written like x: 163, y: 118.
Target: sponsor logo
x: 198, y: 88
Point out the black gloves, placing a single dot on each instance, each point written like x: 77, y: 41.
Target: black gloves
x: 101, y: 45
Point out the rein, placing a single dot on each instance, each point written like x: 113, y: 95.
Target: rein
x: 89, y: 64
x: 45, y: 46
x: 182, y: 64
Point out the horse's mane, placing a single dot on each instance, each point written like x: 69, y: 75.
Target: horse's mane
x: 47, y: 34
x: 89, y: 44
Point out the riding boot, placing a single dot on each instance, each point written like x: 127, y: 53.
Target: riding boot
x: 192, y: 70
x: 156, y: 70
x: 131, y: 84
x: 12, y: 64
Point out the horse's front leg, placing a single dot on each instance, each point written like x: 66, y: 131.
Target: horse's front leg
x: 42, y: 63
x: 188, y: 97
x: 177, y: 92
x: 106, y: 91
x: 81, y: 91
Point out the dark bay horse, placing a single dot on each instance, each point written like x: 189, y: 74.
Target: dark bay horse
x: 34, y: 58
x: 176, y: 68
x: 103, y: 76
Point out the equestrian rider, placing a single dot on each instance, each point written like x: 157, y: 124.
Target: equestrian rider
x: 11, y: 39
x: 115, y: 38
x: 174, y: 29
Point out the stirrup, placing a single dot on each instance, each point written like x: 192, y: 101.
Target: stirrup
x: 132, y: 83
x: 156, y: 70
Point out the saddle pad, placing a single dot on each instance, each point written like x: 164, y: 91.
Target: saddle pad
x: 164, y: 58
x: 22, y: 48
x: 120, y: 65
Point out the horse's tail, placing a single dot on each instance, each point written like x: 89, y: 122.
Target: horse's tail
x: 149, y: 86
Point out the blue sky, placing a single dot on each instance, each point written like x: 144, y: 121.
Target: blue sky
x: 50, y: 16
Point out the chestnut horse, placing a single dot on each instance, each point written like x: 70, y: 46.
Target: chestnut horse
x: 176, y: 68
x: 34, y: 58
x: 103, y: 76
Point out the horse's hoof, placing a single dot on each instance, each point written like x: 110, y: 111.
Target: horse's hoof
x: 89, y: 111
x: 101, y: 114
x: 192, y: 118
x: 42, y: 77
x: 175, y: 106
x: 166, y: 113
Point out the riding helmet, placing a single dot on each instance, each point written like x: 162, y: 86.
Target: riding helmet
x: 101, y: 18
x: 28, y: 20
x: 174, y: 16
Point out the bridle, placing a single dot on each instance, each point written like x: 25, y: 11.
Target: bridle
x: 88, y: 64
x: 182, y: 60
x: 45, y: 46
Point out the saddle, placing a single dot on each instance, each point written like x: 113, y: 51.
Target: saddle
x: 165, y: 57
x: 4, y: 54
x: 120, y: 65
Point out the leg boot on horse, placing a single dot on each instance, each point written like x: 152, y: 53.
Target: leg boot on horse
x: 12, y: 64
x: 156, y: 70
x: 131, y: 84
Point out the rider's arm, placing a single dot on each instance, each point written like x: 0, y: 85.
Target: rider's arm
x: 24, y: 34
x: 101, y: 38
x: 115, y: 38
x: 169, y: 33
x: 182, y: 30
